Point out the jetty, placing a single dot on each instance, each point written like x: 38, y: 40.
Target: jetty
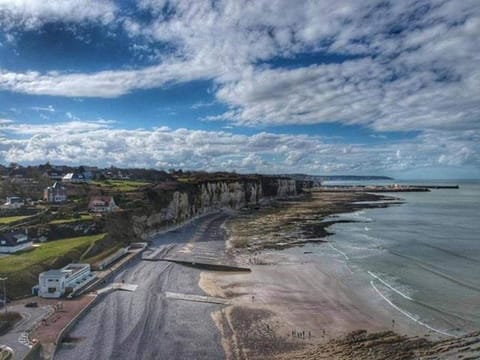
x: 381, y: 188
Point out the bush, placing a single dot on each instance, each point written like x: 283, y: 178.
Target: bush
x: 8, y: 320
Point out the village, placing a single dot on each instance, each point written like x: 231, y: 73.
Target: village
x: 50, y: 209
x: 66, y: 233
x: 55, y: 242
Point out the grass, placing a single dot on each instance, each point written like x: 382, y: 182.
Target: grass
x: 45, y: 252
x: 121, y: 185
x: 83, y: 217
x: 22, y: 269
x: 11, y: 219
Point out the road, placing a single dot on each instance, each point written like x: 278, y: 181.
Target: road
x: 146, y: 323
x: 16, y: 338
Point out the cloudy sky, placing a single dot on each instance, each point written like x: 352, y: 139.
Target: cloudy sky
x: 271, y: 86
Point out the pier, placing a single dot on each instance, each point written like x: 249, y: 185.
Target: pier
x: 381, y: 188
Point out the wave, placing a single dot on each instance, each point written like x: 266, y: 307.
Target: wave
x: 431, y: 307
x: 407, y: 314
x: 339, y: 251
x: 361, y: 217
x: 389, y: 286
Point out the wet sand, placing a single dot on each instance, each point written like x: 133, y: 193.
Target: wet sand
x: 300, y: 299
x: 294, y: 294
x: 281, y: 308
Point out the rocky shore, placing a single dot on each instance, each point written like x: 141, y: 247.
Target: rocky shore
x: 289, y: 223
x: 293, y: 306
x: 388, y: 345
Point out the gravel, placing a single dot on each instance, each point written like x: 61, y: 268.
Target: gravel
x: 145, y: 324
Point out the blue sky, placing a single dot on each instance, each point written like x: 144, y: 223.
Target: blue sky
x: 344, y: 87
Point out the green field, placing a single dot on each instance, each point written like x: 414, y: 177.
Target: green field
x: 11, y: 219
x: 45, y: 252
x: 83, y: 217
x: 22, y: 269
x: 121, y: 185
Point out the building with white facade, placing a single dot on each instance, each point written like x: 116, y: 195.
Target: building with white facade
x: 56, y: 283
x: 74, y: 178
x: 13, y: 202
x: 55, y: 193
x: 14, y: 241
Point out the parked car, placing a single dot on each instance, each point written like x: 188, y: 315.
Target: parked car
x: 32, y: 304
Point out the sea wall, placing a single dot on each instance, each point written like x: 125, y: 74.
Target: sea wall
x: 207, y: 197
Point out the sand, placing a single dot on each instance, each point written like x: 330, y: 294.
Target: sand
x: 292, y: 301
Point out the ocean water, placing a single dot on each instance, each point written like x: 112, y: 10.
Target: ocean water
x: 422, y: 257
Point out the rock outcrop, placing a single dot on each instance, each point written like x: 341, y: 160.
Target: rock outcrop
x: 360, y: 345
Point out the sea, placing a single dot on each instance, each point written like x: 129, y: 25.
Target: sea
x: 422, y: 257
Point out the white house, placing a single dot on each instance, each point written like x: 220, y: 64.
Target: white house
x: 74, y: 178
x: 54, y: 283
x: 102, y: 204
x: 55, y: 194
x: 51, y: 284
x: 13, y: 202
x: 14, y: 241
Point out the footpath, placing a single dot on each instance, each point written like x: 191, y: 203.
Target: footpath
x: 49, y: 332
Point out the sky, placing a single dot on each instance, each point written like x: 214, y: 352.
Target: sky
x: 268, y: 86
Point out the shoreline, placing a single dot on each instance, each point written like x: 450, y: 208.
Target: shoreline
x: 291, y: 291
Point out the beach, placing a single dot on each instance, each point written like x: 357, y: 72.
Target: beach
x: 300, y: 298
x: 295, y: 299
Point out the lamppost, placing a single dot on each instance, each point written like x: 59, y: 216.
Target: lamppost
x: 4, y: 279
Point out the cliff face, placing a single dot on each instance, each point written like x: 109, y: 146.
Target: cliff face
x: 207, y: 197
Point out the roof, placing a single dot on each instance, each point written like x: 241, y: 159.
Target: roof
x: 73, y: 176
x: 53, y: 172
x: 53, y: 272
x: 104, y: 198
x: 74, y: 268
x: 57, y: 186
x: 11, y: 238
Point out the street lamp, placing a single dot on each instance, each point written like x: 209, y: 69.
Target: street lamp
x: 4, y: 279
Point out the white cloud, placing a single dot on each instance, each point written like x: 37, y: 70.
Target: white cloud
x: 32, y: 14
x: 99, y: 143
x: 105, y: 84
x: 49, y: 108
x: 419, y: 68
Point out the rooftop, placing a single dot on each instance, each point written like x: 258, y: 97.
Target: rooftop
x: 53, y: 272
